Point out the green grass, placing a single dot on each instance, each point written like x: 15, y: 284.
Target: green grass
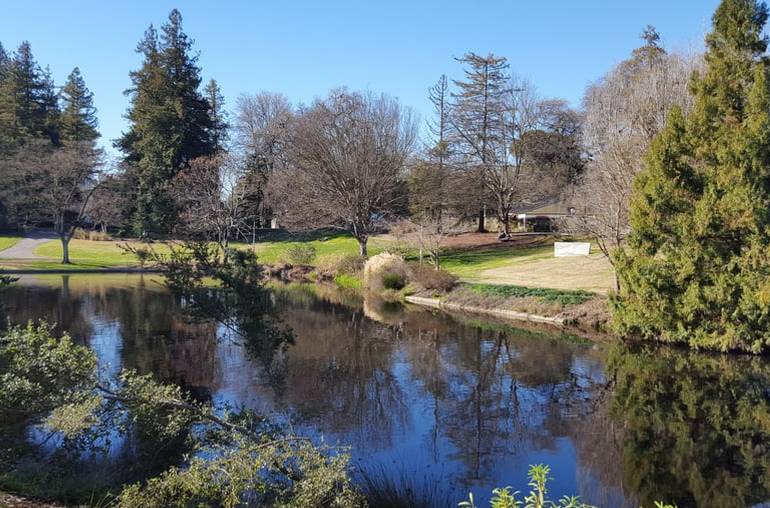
x: 469, y: 264
x: 562, y: 297
x: 87, y: 254
x: 273, y: 252
x: 8, y: 241
x: 346, y: 281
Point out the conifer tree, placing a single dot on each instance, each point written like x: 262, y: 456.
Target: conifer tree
x: 169, y: 122
x: 697, y: 266
x: 4, y: 61
x: 78, y: 116
x: 217, y: 114
x: 28, y: 104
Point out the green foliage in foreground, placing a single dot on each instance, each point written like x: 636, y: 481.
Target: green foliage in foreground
x: 213, y: 456
x: 562, y: 297
x: 697, y: 266
x: 52, y: 382
x: 537, y: 497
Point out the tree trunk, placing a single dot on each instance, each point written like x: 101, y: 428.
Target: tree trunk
x: 506, y: 225
x: 482, y: 228
x: 65, y: 250
x: 362, y: 247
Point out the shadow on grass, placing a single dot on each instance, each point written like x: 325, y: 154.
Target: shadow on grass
x: 282, y: 235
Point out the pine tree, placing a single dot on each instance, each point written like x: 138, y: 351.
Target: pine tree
x: 217, y: 114
x: 170, y: 122
x: 28, y: 104
x: 477, y: 116
x: 78, y: 116
x: 697, y: 266
x: 4, y: 62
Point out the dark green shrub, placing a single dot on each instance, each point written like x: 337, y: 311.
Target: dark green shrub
x: 393, y: 281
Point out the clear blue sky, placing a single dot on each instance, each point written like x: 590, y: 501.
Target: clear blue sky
x: 304, y: 48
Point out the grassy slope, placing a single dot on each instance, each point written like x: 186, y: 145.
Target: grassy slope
x: 8, y: 241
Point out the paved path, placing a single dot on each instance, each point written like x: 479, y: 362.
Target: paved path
x: 24, y: 249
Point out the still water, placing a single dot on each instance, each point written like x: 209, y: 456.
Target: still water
x: 449, y: 400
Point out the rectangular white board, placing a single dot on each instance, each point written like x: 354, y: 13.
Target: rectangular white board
x: 565, y: 249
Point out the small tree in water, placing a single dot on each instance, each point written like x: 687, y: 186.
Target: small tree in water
x: 697, y: 266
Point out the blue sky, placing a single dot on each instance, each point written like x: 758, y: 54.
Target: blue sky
x: 304, y: 48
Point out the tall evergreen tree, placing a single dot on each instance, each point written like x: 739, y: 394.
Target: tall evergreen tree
x: 477, y: 118
x: 78, y: 116
x: 4, y: 61
x: 217, y: 114
x: 170, y: 122
x: 697, y: 266
x: 28, y: 103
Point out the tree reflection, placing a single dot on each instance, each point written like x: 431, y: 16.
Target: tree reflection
x: 697, y: 427
x: 340, y: 374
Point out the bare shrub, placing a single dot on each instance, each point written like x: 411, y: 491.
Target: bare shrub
x: 428, y: 277
x: 337, y: 264
x: 300, y: 254
x: 384, y: 269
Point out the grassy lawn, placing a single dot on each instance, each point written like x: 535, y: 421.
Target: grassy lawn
x: 87, y: 254
x: 470, y: 264
x: 533, y: 267
x: 275, y: 252
x: 506, y: 265
x: 8, y: 241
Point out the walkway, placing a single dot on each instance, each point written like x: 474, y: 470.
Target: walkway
x: 24, y: 249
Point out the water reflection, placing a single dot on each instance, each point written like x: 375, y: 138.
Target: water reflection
x: 470, y: 403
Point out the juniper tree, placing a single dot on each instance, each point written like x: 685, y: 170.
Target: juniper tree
x: 697, y: 266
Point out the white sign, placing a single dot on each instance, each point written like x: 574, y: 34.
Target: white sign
x: 565, y: 249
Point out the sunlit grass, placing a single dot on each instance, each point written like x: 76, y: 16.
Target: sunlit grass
x: 88, y: 254
x: 274, y: 252
x: 8, y: 241
x: 468, y: 264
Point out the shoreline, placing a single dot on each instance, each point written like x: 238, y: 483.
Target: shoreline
x: 437, y: 303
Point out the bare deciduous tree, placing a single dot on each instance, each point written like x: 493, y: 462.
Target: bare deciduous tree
x: 55, y: 184
x: 261, y: 135
x: 491, y: 118
x: 426, y: 234
x: 346, y: 163
x: 210, y: 198
x: 623, y: 113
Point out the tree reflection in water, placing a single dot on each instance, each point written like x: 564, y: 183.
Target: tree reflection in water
x: 474, y: 402
x: 696, y: 426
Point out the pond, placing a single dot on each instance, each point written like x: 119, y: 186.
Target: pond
x: 448, y: 402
